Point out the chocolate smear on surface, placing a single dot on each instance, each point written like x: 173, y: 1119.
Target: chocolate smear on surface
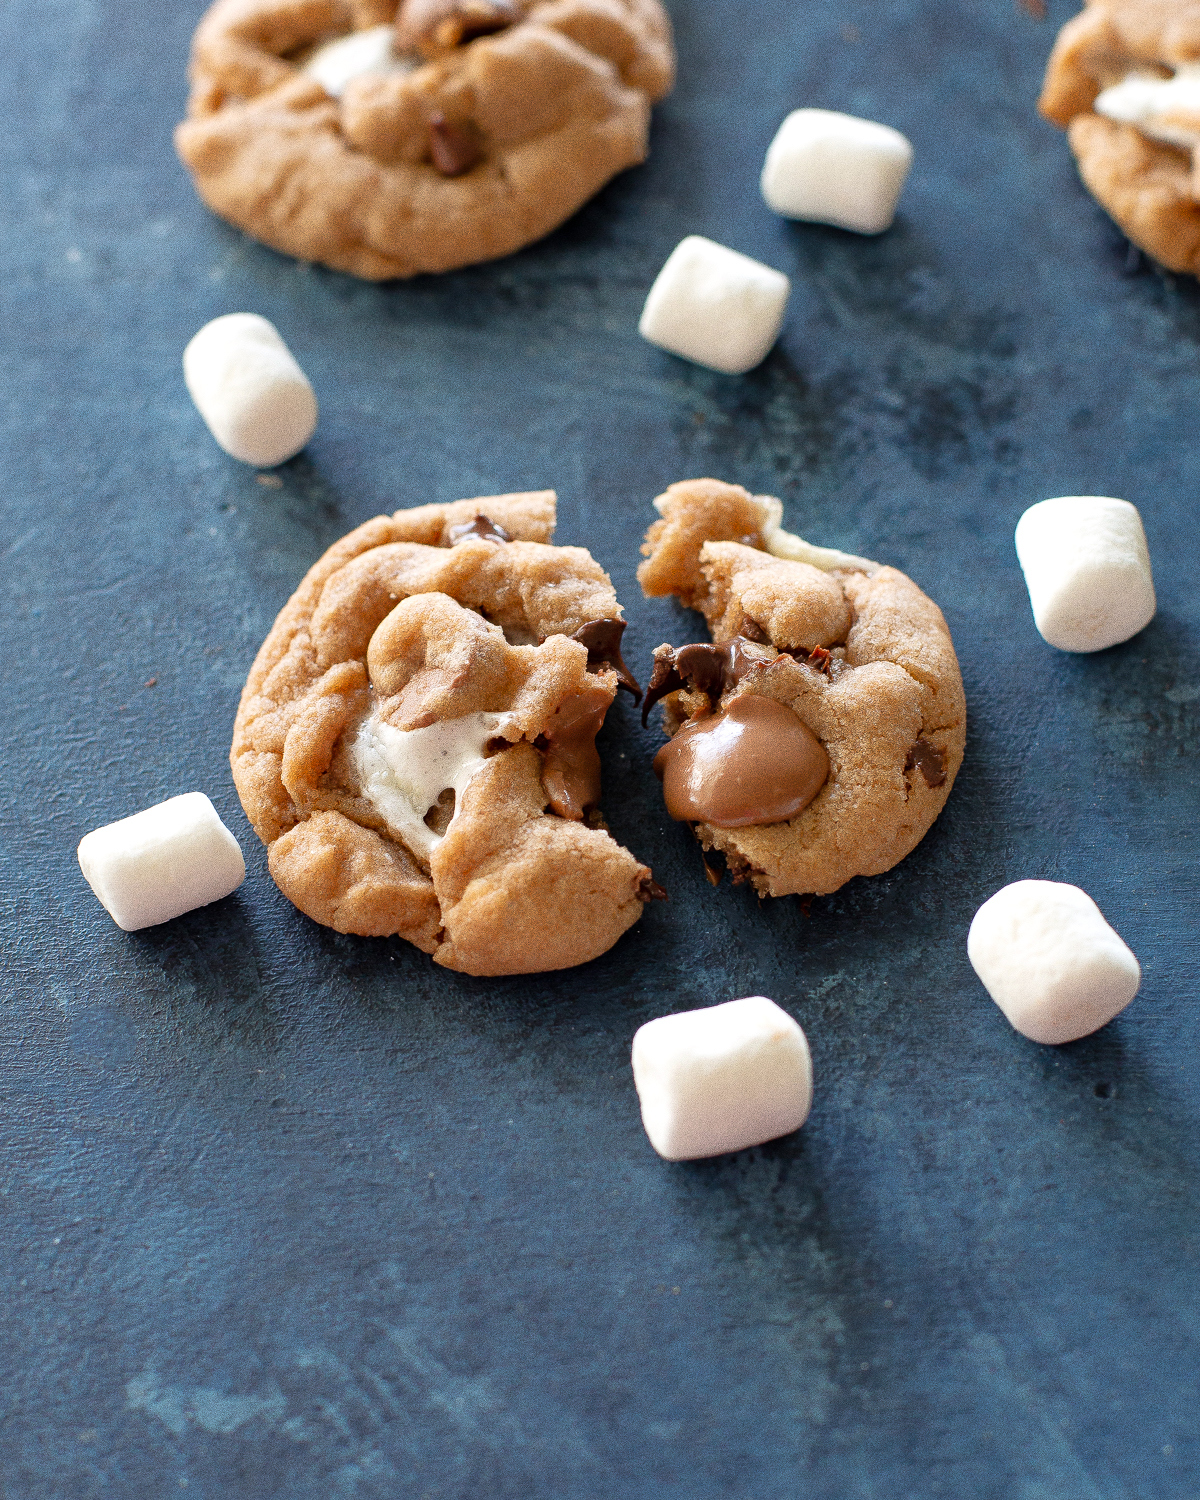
x: 649, y: 890
x: 929, y: 760
x: 602, y: 638
x: 483, y: 527
x: 571, y: 764
x: 453, y: 148
x: 711, y: 670
x: 753, y: 764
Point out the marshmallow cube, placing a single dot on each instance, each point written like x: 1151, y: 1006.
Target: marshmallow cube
x: 715, y: 306
x: 1087, y: 568
x: 1050, y: 961
x: 836, y: 169
x: 162, y: 862
x: 249, y: 389
x: 721, y: 1079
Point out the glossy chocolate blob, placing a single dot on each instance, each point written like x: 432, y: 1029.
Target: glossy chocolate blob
x: 602, y: 638
x: 755, y: 763
x: 571, y: 768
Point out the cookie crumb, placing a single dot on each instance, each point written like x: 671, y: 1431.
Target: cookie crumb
x: 270, y: 481
x: 150, y: 682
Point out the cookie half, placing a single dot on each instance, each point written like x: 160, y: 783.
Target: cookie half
x: 415, y: 743
x: 1123, y: 82
x: 819, y: 736
x: 387, y: 140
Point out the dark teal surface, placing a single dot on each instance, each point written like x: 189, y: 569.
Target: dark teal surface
x: 293, y: 1216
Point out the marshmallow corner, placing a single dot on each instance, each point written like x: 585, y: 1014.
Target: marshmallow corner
x: 832, y: 168
x: 715, y: 306
x: 721, y: 1079
x: 1087, y: 569
x: 1052, y: 963
x: 161, y: 862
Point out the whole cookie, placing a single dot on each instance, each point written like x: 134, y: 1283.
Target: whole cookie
x: 820, y: 736
x: 415, y: 743
x: 387, y: 140
x: 1121, y: 80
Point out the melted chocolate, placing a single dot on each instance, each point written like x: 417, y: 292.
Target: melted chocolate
x: 711, y: 670
x: 483, y: 527
x: 755, y: 763
x: 753, y: 631
x: 453, y: 148
x: 571, y: 765
x: 603, y: 641
x: 929, y: 760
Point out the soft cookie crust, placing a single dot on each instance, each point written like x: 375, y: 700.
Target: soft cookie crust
x: 861, y: 655
x: 1149, y: 187
x: 552, y: 105
x: 406, y: 620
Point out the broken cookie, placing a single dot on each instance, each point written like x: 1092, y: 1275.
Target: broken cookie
x: 1123, y: 80
x: 415, y: 743
x: 819, y: 736
x: 387, y: 140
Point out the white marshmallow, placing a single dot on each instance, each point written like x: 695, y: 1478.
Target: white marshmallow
x: 715, y: 306
x: 836, y: 169
x: 162, y: 862
x: 249, y: 389
x: 721, y: 1079
x: 1087, y: 568
x: 403, y: 772
x: 1166, y: 109
x: 1050, y: 961
x: 362, y: 54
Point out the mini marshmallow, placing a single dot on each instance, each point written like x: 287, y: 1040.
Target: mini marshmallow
x: 721, y: 1079
x: 1050, y: 961
x: 249, y: 389
x: 162, y: 862
x: 836, y: 169
x: 715, y: 306
x: 1087, y: 568
x: 362, y: 54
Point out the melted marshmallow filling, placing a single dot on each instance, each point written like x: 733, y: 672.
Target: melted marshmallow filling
x: 361, y: 54
x: 403, y: 772
x: 1166, y: 109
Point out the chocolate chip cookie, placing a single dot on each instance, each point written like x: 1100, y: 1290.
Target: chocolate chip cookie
x: 1123, y: 80
x: 386, y: 140
x: 415, y: 743
x: 819, y: 736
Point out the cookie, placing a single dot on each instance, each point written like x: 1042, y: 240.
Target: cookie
x: 819, y: 737
x: 1121, y: 81
x: 387, y: 141
x: 415, y: 743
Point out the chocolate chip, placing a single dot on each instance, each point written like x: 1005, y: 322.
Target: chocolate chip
x: 706, y: 669
x: 481, y: 526
x: 649, y: 890
x: 929, y: 760
x: 453, y: 147
x: 603, y: 641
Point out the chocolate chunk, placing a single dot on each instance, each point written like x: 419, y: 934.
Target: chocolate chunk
x: 755, y: 763
x: 711, y: 670
x: 481, y: 526
x: 571, y: 768
x: 929, y: 760
x: 819, y: 660
x: 603, y: 641
x: 454, y: 148
x: 649, y: 890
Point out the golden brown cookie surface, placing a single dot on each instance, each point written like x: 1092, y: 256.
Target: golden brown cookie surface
x: 488, y: 123
x: 1120, y: 82
x: 857, y: 653
x: 415, y: 741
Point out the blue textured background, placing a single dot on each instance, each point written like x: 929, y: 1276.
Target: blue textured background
x: 288, y: 1214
